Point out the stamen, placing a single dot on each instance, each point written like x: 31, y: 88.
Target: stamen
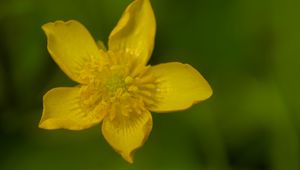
x: 132, y: 88
x: 128, y: 80
x: 117, y: 87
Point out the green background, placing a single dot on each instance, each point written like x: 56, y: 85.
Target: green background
x: 248, y: 50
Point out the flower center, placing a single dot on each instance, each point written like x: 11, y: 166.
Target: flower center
x: 116, y: 88
x: 114, y: 84
x: 106, y: 86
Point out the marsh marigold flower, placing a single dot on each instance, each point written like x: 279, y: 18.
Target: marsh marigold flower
x: 115, y: 85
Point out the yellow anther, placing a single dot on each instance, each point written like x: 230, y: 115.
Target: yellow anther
x: 128, y: 80
x: 125, y: 95
x: 132, y: 88
x: 113, y: 112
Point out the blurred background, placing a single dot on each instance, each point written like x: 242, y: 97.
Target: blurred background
x: 249, y: 51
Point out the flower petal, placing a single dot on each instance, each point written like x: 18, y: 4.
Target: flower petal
x: 71, y: 46
x: 179, y: 86
x: 62, y: 109
x: 135, y: 32
x: 127, y: 133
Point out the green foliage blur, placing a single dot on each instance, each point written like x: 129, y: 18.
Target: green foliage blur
x: 249, y: 51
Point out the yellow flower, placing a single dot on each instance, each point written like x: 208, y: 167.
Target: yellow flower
x: 115, y: 85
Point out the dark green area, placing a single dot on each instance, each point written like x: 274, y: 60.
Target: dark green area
x: 249, y: 51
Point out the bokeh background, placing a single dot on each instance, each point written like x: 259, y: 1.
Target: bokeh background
x: 248, y: 50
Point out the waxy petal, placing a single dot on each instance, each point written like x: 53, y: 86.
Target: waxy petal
x: 62, y: 109
x: 71, y: 46
x: 179, y: 86
x: 127, y: 133
x: 134, y: 34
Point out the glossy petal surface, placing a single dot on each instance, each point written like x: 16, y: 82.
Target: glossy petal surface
x: 63, y: 109
x: 134, y: 34
x: 71, y: 46
x: 179, y: 86
x: 127, y: 133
